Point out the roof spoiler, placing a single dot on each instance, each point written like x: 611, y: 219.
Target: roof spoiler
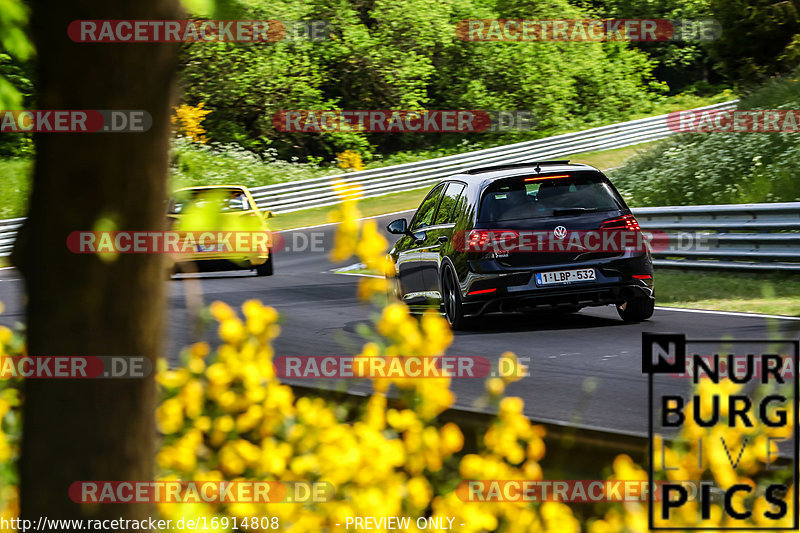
x: 537, y: 164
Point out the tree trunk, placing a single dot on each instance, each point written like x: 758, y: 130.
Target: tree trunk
x: 100, y: 429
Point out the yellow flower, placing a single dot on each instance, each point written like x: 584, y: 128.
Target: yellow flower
x: 231, y: 330
x: 350, y: 160
x: 199, y: 350
x: 202, y: 423
x: 192, y: 397
x: 511, y: 405
x: 169, y: 416
x: 451, y: 438
x: 419, y: 492
x: 224, y: 424
x: 221, y: 311
x: 495, y: 386
x: 189, y: 119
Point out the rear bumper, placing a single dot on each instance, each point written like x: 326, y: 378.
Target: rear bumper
x: 517, y: 290
x: 564, y: 299
x: 209, y: 264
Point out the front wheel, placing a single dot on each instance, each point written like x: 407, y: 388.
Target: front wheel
x: 636, y: 310
x: 265, y: 268
x: 451, y: 298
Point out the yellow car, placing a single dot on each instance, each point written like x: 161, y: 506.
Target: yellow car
x: 220, y: 214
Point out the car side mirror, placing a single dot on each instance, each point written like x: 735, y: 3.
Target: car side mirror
x: 398, y: 227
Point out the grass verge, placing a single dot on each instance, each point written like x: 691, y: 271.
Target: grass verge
x: 768, y: 293
x: 379, y: 205
x: 14, y: 186
x: 605, y: 159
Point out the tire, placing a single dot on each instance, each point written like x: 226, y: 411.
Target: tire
x: 451, y: 300
x: 265, y: 268
x: 636, y: 310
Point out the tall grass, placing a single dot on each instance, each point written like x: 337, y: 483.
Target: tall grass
x: 720, y: 168
x: 230, y: 164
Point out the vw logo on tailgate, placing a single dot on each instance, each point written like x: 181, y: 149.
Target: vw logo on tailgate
x: 560, y: 232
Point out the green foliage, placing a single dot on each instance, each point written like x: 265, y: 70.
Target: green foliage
x: 15, y: 182
x: 16, y: 91
x: 218, y: 164
x: 389, y: 54
x: 680, y: 64
x: 16, y: 88
x: 13, y: 19
x: 760, y: 38
x: 720, y: 168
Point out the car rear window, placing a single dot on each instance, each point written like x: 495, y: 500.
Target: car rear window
x: 228, y: 199
x: 534, y: 196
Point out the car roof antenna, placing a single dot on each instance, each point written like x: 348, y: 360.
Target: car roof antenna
x: 538, y: 168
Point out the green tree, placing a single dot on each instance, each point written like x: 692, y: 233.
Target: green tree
x: 761, y: 38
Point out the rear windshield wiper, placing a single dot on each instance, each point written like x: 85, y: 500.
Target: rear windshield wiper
x: 571, y: 210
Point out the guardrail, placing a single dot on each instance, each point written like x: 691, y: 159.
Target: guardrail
x: 735, y: 237
x: 731, y: 237
x: 750, y: 236
x: 284, y: 198
x: 8, y: 232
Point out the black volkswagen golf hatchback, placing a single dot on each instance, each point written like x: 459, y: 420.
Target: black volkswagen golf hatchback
x: 523, y: 237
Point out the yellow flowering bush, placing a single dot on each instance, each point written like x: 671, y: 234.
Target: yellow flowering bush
x: 11, y: 345
x: 189, y: 120
x: 350, y: 160
x: 227, y: 416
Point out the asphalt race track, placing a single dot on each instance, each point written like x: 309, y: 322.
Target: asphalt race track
x: 585, y: 368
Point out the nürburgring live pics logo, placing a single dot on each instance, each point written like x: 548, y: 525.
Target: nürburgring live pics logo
x: 736, y: 433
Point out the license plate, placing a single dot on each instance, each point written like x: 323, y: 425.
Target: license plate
x: 565, y: 276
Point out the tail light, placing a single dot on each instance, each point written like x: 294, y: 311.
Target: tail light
x: 478, y: 239
x: 485, y: 240
x: 626, y: 222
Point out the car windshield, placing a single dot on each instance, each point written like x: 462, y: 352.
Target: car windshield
x: 227, y: 199
x: 523, y: 197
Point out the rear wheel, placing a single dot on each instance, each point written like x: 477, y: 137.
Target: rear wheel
x: 265, y: 268
x: 451, y: 298
x: 636, y: 310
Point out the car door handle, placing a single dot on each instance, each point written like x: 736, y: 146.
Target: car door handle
x: 442, y: 239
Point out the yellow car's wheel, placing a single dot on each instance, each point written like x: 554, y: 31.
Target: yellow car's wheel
x: 265, y: 268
